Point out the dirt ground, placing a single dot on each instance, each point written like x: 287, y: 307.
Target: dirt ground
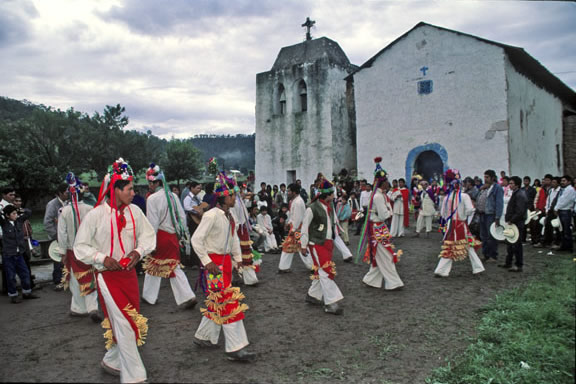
x: 383, y: 337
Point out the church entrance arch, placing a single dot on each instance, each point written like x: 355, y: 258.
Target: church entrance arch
x: 429, y: 161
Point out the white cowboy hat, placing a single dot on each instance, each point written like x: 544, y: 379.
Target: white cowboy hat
x: 497, y: 232
x: 511, y: 233
x: 543, y: 221
x: 54, y: 252
x: 555, y: 223
x: 531, y: 215
x: 359, y: 216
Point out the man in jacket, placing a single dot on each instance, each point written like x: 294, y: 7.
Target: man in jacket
x: 490, y: 205
x: 516, y: 214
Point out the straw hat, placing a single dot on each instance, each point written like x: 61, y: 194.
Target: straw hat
x: 54, y: 252
x: 497, y: 232
x: 511, y: 233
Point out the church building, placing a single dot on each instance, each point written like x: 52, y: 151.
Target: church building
x: 432, y: 99
x: 304, y: 114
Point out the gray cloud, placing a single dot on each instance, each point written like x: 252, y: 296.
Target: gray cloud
x: 15, y: 21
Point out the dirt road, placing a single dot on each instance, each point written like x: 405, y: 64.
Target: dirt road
x: 383, y: 337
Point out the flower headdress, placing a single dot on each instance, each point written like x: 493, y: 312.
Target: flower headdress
x: 153, y: 173
x: 224, y: 185
x: 74, y: 187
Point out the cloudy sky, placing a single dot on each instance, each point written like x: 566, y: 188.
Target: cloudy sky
x: 184, y: 67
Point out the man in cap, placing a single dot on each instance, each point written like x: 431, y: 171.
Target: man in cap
x: 113, y: 237
x: 318, y: 231
x: 165, y: 213
x: 217, y: 245
x: 79, y: 277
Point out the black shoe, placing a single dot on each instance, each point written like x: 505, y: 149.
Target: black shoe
x: 280, y: 271
x: 15, y: 300
x: 95, y: 316
x: 241, y: 355
x: 348, y: 260
x: 190, y: 303
x: 29, y: 296
x: 334, y: 309
x: 313, y: 300
x: 202, y: 343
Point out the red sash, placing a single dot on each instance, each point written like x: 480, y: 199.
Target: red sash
x: 123, y: 287
x: 166, y: 258
x: 84, y: 273
x: 324, y: 254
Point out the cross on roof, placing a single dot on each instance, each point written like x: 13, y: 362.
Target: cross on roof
x: 308, y: 24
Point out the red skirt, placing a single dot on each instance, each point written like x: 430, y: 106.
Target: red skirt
x: 324, y: 254
x: 164, y: 261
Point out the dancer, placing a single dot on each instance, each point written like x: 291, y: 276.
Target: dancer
x: 165, y: 213
x: 218, y: 247
x: 375, y: 242
x: 113, y: 237
x: 458, y: 243
x: 77, y: 276
x: 318, y: 227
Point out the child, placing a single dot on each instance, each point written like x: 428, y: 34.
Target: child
x: 13, y: 252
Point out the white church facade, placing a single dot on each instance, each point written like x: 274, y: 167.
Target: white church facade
x: 432, y: 99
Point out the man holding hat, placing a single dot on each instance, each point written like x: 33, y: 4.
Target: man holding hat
x: 318, y: 231
x: 515, y: 215
x: 217, y: 245
x: 165, y: 213
x: 113, y: 237
x: 79, y: 277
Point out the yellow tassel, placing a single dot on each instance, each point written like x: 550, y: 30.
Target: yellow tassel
x: 161, y: 268
x: 222, y: 319
x: 108, y: 335
x: 140, y: 321
x: 79, y: 275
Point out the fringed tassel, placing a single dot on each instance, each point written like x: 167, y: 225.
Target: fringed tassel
x: 141, y: 323
x: 108, y: 335
x: 65, y: 281
x: 224, y: 319
x: 162, y: 268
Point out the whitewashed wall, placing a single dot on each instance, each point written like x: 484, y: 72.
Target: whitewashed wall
x: 535, y: 118
x: 466, y: 112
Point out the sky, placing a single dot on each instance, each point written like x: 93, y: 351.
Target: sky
x: 187, y: 67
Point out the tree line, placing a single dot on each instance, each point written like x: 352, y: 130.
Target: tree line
x: 40, y: 145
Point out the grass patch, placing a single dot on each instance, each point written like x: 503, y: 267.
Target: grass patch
x: 525, y: 336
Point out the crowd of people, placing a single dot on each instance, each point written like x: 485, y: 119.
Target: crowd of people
x: 222, y: 229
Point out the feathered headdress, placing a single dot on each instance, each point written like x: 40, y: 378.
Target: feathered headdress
x: 379, y: 172
x: 325, y: 186
x: 119, y: 170
x: 153, y: 173
x: 74, y: 187
x: 212, y: 166
x: 224, y: 185
x: 452, y: 177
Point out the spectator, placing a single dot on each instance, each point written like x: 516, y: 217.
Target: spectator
x: 27, y: 229
x: 489, y: 206
x: 515, y: 214
x: 257, y: 234
x: 281, y: 196
x: 265, y: 222
x: 343, y: 212
x: 564, y: 211
x: 303, y: 193
x: 279, y: 223
x: 53, y: 209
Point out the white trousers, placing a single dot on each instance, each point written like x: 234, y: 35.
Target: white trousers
x: 124, y: 355
x: 385, y: 270
x: 249, y: 276
x: 286, y: 261
x: 235, y: 337
x: 397, y: 226
x: 270, y: 242
x: 424, y: 220
x: 324, y: 288
x: 341, y: 246
x: 81, y: 304
x: 179, y: 283
x: 445, y: 265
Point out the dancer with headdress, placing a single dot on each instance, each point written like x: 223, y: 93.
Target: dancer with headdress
x: 113, y: 237
x: 165, y: 213
x: 217, y: 245
x: 457, y: 243
x: 375, y: 245
x: 318, y: 229
x: 80, y: 278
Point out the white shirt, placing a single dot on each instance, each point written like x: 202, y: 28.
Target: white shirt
x: 214, y: 235
x: 308, y: 216
x: 264, y: 221
x: 566, y: 200
x: 465, y: 207
x: 365, y: 198
x: 191, y: 201
x: 297, y: 211
x: 158, y: 213
x: 427, y: 208
x: 92, y: 243
x: 398, y: 200
x: 381, y: 208
x: 66, y: 231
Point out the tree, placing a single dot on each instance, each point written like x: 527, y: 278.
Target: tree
x: 183, y: 160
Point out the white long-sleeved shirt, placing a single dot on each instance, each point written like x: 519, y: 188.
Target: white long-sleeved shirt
x: 297, y: 211
x: 264, y: 221
x: 158, y: 214
x: 381, y: 208
x: 308, y: 216
x: 66, y: 231
x: 365, y: 198
x: 465, y: 207
x: 398, y: 200
x: 566, y: 199
x: 427, y: 208
x: 92, y: 244
x: 191, y: 201
x: 214, y: 235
